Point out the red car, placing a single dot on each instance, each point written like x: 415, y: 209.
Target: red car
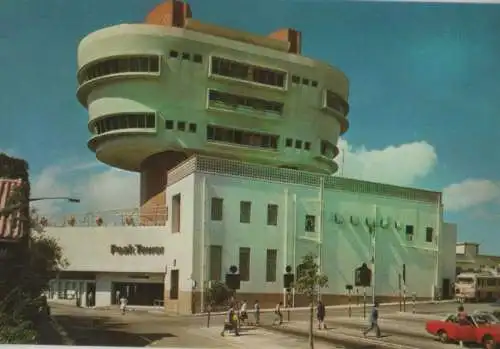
x: 482, y: 328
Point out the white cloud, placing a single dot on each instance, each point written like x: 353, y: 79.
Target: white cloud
x: 99, y: 188
x: 470, y: 193
x: 396, y: 164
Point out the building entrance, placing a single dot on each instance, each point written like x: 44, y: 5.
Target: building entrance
x: 137, y: 293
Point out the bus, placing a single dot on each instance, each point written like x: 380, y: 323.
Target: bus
x: 477, y: 286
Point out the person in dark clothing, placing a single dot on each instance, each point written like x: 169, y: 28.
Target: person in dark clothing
x: 373, y: 321
x: 320, y: 313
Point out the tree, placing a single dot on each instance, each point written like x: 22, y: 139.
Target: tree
x: 31, y: 262
x: 309, y: 281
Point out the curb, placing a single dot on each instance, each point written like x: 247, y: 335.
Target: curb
x: 328, y: 307
x: 62, y: 332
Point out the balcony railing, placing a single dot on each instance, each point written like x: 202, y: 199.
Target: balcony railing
x: 124, y: 217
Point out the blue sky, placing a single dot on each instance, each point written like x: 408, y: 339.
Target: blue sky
x: 424, y: 92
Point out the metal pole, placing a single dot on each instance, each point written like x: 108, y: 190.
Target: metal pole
x: 209, y: 308
x: 404, y: 297
x: 349, y: 311
x: 364, y: 302
x: 414, y: 298
x: 399, y: 290
x: 373, y: 243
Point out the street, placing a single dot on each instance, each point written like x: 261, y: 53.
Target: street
x: 107, y: 327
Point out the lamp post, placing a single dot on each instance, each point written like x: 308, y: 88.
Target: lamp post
x: 8, y: 210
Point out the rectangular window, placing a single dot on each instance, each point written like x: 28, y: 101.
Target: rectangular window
x: 246, y: 72
x: 305, y: 81
x: 169, y: 124
x: 186, y: 56
x: 215, y: 257
x: 192, y: 128
x: 181, y: 126
x: 233, y: 102
x: 429, y: 234
x: 307, y: 145
x: 174, y: 54
x: 244, y: 264
x: 310, y: 223
x: 335, y: 102
x: 314, y: 83
x: 272, y: 214
x: 409, y: 233
x: 328, y: 149
x: 289, y: 142
x: 295, y: 79
x: 174, y: 284
x: 240, y: 137
x: 176, y: 213
x: 216, y: 209
x: 298, y: 144
x: 245, y: 211
x: 197, y: 58
x: 271, y: 265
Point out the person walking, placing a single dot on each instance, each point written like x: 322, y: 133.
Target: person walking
x: 123, y: 305
x: 256, y: 309
x: 278, y: 315
x: 373, y: 321
x: 231, y: 322
x: 321, y: 313
x: 243, y: 312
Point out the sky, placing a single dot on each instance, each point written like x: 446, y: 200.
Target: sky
x: 424, y: 95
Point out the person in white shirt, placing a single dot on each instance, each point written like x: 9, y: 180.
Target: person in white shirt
x: 256, y: 308
x: 278, y: 316
x: 243, y: 312
x: 123, y: 305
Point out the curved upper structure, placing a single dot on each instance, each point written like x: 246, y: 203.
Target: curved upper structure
x: 175, y: 86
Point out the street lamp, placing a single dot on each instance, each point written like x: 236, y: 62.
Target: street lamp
x: 8, y: 210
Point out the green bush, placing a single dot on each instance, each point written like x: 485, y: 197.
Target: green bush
x: 218, y: 293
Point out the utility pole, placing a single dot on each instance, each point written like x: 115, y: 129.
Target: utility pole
x: 373, y: 247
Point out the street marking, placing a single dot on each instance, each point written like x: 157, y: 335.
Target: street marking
x: 146, y: 339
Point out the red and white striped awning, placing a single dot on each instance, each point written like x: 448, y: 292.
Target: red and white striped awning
x: 10, y: 226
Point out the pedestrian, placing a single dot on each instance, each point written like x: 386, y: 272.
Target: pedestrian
x: 278, y: 316
x: 373, y: 321
x: 321, y: 313
x: 123, y: 305
x: 230, y: 322
x: 462, y: 320
x: 117, y: 297
x: 256, y: 309
x: 243, y: 312
x: 90, y: 299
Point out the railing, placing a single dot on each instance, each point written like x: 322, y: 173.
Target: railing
x: 124, y: 217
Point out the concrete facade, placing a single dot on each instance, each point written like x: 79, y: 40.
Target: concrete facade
x: 469, y: 258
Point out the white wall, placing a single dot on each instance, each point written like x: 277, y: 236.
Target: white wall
x: 448, y: 261
x: 181, y: 243
x: 345, y: 246
x: 88, y: 248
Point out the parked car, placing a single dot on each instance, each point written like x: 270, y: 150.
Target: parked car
x: 481, y: 328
